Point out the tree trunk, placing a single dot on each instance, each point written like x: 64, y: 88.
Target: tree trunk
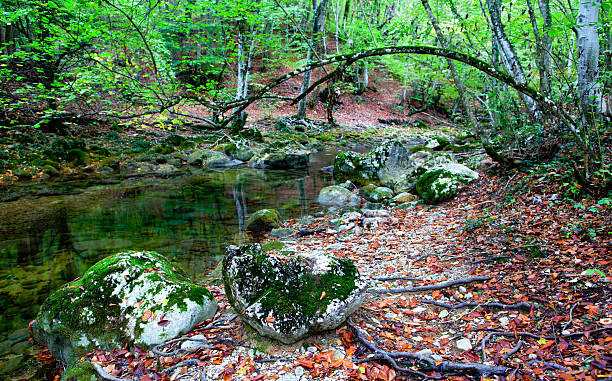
x: 541, y: 50
x: 317, y: 23
x: 589, y: 88
x: 458, y: 83
x: 508, y: 55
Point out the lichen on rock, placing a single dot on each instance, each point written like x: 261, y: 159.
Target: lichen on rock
x: 443, y: 182
x: 290, y: 297
x: 135, y: 297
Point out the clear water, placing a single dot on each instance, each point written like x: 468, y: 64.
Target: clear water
x: 48, y: 241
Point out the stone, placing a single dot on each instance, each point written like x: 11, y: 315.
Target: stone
x: 336, y: 195
x: 242, y: 154
x: 134, y: 297
x: 196, y: 157
x: 381, y: 166
x: 443, y: 182
x: 263, y: 221
x: 464, y: 344
x: 290, y: 297
x: 376, y: 194
x: 281, y: 232
x: 194, y: 343
x: 404, y: 197
x: 281, y: 159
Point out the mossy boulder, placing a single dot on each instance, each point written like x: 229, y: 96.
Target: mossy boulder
x: 135, y: 297
x: 444, y: 182
x: 384, y: 165
x: 336, y: 195
x: 187, y: 145
x: 77, y: 157
x: 422, y: 162
x: 376, y: 194
x: 263, y: 221
x: 290, y: 297
x: 281, y: 159
x: 211, y: 159
x: 252, y: 134
x: 175, y: 140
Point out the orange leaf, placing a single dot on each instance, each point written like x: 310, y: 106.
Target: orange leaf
x: 322, y: 295
x: 146, y: 315
x: 566, y: 377
x: 306, y: 363
x: 270, y: 319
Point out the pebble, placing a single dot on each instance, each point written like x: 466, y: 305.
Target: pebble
x: 299, y: 371
x: 533, y: 356
x: 288, y: 377
x: 464, y: 344
x: 469, y: 295
x: 462, y: 289
x: 504, y: 321
x: 425, y: 352
x: 312, y: 349
x: 437, y: 357
x: 419, y: 309
x: 443, y: 314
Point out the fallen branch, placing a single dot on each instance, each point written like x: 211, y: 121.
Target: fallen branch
x: 443, y: 367
x: 305, y: 233
x: 438, y: 286
x: 474, y: 304
x: 548, y: 364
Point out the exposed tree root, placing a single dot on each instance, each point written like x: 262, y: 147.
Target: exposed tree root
x: 474, y: 304
x: 438, y: 286
x: 428, y: 363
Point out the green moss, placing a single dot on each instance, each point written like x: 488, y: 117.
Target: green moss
x: 272, y: 245
x: 77, y: 157
x: 350, y: 166
x: 82, y: 371
x: 287, y: 288
x: 430, y: 187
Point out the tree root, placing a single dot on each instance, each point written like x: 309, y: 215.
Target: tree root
x: 481, y: 370
x: 398, y: 277
x: 105, y: 376
x: 474, y: 304
x: 438, y: 286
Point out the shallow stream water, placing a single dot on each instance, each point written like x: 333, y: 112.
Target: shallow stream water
x: 48, y: 241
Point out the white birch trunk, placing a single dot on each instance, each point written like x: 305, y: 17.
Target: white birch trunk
x: 587, y: 41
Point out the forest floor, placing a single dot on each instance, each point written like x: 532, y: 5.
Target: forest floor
x: 544, y: 258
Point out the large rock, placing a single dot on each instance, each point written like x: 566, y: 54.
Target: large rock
x: 336, y: 195
x: 443, y: 182
x: 289, y: 298
x: 211, y: 159
x: 135, y: 297
x: 381, y: 166
x: 263, y: 220
x: 421, y: 162
x: 281, y: 159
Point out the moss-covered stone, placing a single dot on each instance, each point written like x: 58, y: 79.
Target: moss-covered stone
x: 336, y: 195
x: 77, y: 157
x: 281, y: 159
x: 442, y: 183
x: 132, y: 297
x: 263, y: 221
x: 376, y: 194
x: 288, y: 298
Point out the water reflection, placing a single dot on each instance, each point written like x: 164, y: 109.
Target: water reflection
x: 48, y: 241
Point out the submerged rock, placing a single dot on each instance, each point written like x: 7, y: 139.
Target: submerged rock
x: 135, y: 297
x: 263, y: 220
x: 336, y: 195
x: 289, y: 298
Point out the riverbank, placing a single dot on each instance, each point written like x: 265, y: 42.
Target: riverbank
x: 530, y: 299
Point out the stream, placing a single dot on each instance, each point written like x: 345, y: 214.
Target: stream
x: 50, y: 240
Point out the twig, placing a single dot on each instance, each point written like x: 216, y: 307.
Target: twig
x: 489, y: 259
x: 569, y: 322
x: 548, y: 364
x: 474, y: 304
x: 512, y: 351
x: 104, y: 375
x: 438, y: 286
x: 161, y: 353
x: 273, y: 359
x: 548, y: 337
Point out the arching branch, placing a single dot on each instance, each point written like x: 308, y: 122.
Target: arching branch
x: 350, y: 58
